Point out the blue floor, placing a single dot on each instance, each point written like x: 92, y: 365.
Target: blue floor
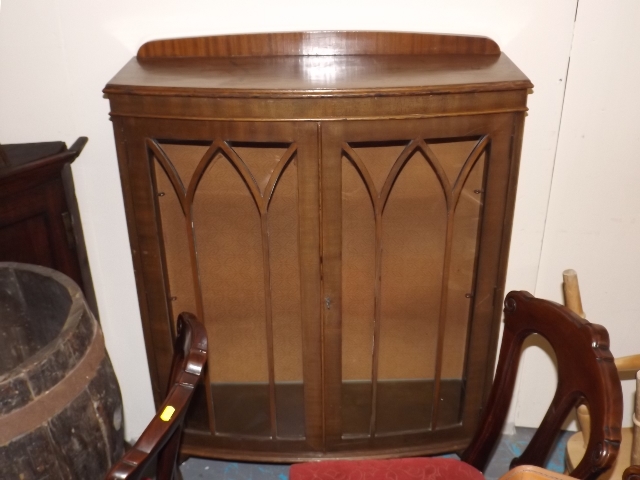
x: 510, y: 446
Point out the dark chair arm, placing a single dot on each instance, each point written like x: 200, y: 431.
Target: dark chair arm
x: 161, y: 439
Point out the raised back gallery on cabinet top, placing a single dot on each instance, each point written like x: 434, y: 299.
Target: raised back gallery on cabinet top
x: 334, y: 64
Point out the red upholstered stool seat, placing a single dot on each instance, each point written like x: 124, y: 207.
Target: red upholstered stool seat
x: 397, y: 469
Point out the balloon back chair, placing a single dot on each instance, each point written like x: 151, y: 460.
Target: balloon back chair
x: 586, y: 374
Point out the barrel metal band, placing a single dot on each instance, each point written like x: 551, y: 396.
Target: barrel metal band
x: 44, y: 407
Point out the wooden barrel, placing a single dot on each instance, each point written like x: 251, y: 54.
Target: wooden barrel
x: 60, y: 403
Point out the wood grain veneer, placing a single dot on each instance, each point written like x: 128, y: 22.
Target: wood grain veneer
x: 336, y: 207
x: 319, y: 43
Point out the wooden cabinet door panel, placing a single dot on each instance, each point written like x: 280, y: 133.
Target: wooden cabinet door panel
x: 32, y: 228
x: 409, y: 208
x: 228, y: 228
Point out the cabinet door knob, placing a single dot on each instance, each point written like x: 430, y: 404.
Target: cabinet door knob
x: 327, y: 302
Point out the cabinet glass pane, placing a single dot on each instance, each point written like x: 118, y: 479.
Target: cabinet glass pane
x: 464, y: 247
x: 284, y: 267
x: 254, y: 272
x: 410, y: 218
x: 178, y: 161
x: 413, y: 238
x: 358, y: 302
x: 230, y: 263
x: 230, y: 211
x: 172, y: 167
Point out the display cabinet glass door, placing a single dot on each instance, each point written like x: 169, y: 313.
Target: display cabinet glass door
x: 403, y: 217
x: 239, y: 229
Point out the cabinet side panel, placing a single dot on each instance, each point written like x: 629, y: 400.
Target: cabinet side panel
x: 501, y: 167
x: 135, y: 181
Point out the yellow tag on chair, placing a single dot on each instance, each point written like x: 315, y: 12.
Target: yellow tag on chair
x: 167, y: 413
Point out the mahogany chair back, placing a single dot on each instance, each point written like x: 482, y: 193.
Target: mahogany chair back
x: 586, y: 374
x: 632, y: 473
x: 159, y: 443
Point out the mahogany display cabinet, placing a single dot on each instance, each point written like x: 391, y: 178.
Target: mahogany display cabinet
x: 336, y: 208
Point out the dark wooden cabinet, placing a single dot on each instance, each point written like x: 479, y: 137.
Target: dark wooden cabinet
x: 336, y: 208
x: 39, y: 217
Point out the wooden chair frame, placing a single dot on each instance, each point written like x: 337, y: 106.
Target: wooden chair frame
x: 632, y: 473
x: 586, y: 374
x: 161, y: 439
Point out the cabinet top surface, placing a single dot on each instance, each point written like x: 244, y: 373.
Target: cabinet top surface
x: 318, y: 64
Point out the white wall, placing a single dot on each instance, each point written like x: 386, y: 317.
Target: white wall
x: 56, y: 56
x: 593, y: 222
